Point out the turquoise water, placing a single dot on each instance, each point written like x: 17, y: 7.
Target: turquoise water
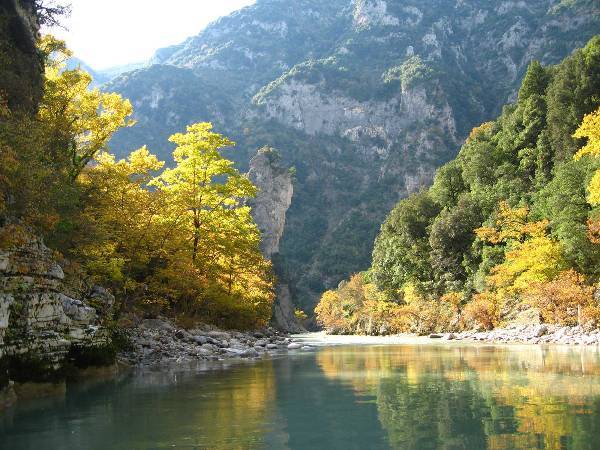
x: 348, y: 397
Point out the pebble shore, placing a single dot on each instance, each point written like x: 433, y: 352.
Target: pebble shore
x: 158, y: 342
x: 528, y: 334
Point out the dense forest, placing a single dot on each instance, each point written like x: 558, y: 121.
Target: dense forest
x: 508, y: 231
x: 174, y: 238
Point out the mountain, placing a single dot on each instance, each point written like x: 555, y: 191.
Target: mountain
x: 364, y: 98
x: 101, y: 76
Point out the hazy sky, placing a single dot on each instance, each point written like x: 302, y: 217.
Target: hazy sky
x: 105, y: 33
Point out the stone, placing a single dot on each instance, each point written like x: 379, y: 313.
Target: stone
x: 272, y: 346
x: 200, y: 340
x: 541, y: 330
x: 294, y: 346
x: 435, y: 336
x: 249, y: 353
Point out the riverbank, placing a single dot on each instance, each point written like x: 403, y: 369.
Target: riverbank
x: 515, y: 334
x: 159, y: 342
x: 156, y: 342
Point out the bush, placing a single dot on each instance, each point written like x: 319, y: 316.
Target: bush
x: 482, y: 312
x: 566, y: 300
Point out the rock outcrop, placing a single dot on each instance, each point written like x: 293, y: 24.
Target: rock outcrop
x: 43, y: 328
x: 20, y: 66
x: 274, y: 197
x: 269, y: 208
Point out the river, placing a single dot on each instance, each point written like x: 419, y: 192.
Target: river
x: 409, y: 396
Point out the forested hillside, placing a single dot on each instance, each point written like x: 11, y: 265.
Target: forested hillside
x: 508, y: 231
x: 365, y: 98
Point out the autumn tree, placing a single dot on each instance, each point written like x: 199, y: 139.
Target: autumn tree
x: 565, y: 300
x: 79, y: 121
x: 530, y: 255
x: 120, y: 228
x: 204, y: 188
x: 590, y: 130
x: 205, y: 201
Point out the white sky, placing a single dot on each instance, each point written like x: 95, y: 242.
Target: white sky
x: 106, y: 33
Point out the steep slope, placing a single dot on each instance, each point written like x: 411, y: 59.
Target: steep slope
x: 365, y: 98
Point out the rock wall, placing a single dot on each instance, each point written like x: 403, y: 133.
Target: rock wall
x: 44, y: 330
x: 269, y: 208
x: 274, y: 197
x: 20, y: 64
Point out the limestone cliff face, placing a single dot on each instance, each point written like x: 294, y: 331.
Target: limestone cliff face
x: 43, y: 325
x: 269, y: 208
x: 274, y: 197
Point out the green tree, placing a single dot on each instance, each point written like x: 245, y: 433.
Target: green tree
x: 402, y: 248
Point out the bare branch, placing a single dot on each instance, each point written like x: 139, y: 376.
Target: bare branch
x: 50, y: 12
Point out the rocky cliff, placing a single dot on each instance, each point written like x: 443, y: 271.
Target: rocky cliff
x: 20, y: 64
x: 274, y: 197
x: 46, y: 326
x: 269, y: 209
x: 366, y: 98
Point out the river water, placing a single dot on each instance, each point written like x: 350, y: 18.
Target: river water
x: 412, y: 396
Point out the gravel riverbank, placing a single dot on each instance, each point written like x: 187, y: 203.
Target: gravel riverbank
x: 158, y: 341
x: 518, y: 334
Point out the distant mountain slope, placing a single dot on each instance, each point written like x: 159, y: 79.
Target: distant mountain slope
x: 366, y: 98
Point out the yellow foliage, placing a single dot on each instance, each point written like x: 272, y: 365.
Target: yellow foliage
x: 511, y: 224
x: 481, y: 129
x: 482, y: 312
x: 360, y: 308
x: 79, y: 120
x: 590, y: 130
x: 531, y: 255
x: 564, y: 299
x: 594, y: 189
x: 537, y: 259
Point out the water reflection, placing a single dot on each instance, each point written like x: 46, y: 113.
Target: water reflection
x: 375, y: 397
x: 453, y: 397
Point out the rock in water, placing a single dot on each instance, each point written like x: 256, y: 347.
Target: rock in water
x: 294, y: 346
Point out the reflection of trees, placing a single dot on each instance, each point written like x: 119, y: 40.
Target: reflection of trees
x: 453, y: 397
x: 218, y: 410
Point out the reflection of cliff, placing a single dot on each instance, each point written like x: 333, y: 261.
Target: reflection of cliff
x: 476, y: 397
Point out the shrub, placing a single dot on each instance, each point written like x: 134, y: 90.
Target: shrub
x: 482, y: 312
x: 564, y: 299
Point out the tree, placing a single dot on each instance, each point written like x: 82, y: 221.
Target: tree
x: 530, y: 255
x: 401, y: 253
x: 565, y: 300
x: 79, y: 121
x: 119, y: 230
x: 535, y: 81
x: 204, y: 189
x: 590, y: 130
x: 205, y: 204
